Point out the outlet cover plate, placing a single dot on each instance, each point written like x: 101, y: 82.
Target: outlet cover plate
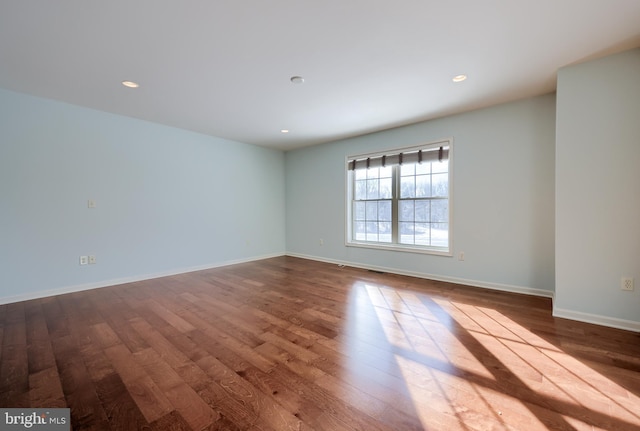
x: 626, y: 284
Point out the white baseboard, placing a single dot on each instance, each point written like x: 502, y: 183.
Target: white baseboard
x: 611, y: 322
x: 132, y: 279
x: 474, y: 283
x: 596, y: 319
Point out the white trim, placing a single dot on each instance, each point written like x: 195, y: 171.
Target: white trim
x: 132, y: 279
x: 611, y: 322
x: 596, y: 319
x: 474, y: 283
x: 401, y: 247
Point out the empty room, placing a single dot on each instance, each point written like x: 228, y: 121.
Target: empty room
x: 336, y: 215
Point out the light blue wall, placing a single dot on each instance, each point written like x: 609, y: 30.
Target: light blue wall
x: 598, y: 190
x: 503, y: 204
x: 531, y: 214
x: 168, y: 200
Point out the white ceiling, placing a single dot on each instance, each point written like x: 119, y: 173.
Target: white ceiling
x: 222, y: 67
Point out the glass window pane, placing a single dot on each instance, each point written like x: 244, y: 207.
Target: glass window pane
x: 372, y: 231
x: 406, y: 228
x: 423, y: 186
x: 423, y: 168
x: 359, y: 210
x: 406, y: 210
x: 372, y: 173
x: 440, y: 210
x: 384, y: 211
x: 422, y: 210
x: 372, y: 211
x: 439, y: 167
x: 361, y: 190
x: 422, y: 234
x: 416, y: 193
x: 406, y: 233
x: 407, y: 170
x: 440, y: 234
x: 407, y: 187
x: 359, y: 231
x: 384, y: 232
x: 386, y: 188
x: 440, y: 185
x: 372, y: 188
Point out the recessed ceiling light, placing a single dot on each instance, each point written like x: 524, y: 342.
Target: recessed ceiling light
x: 130, y: 84
x: 297, y: 79
x: 284, y: 131
x: 459, y: 78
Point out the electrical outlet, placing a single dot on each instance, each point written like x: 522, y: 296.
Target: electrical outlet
x: 84, y: 260
x: 92, y: 259
x: 461, y: 255
x: 321, y: 241
x: 91, y: 203
x: 627, y: 283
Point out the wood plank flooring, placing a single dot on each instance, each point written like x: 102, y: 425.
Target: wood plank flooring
x: 292, y: 344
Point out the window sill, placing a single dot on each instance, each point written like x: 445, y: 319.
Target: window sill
x: 437, y: 251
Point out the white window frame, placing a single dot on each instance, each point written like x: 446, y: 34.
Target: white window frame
x: 396, y: 246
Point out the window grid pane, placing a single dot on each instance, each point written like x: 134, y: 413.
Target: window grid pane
x: 407, y: 187
x: 423, y: 204
x: 372, y: 220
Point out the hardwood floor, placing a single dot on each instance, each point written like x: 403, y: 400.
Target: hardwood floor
x: 292, y: 344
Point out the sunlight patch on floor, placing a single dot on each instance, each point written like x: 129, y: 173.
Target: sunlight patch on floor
x: 443, y: 398
x: 429, y: 338
x: 417, y: 329
x: 550, y: 372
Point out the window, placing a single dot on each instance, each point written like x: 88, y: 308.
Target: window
x: 401, y: 199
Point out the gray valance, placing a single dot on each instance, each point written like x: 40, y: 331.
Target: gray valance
x: 418, y: 156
